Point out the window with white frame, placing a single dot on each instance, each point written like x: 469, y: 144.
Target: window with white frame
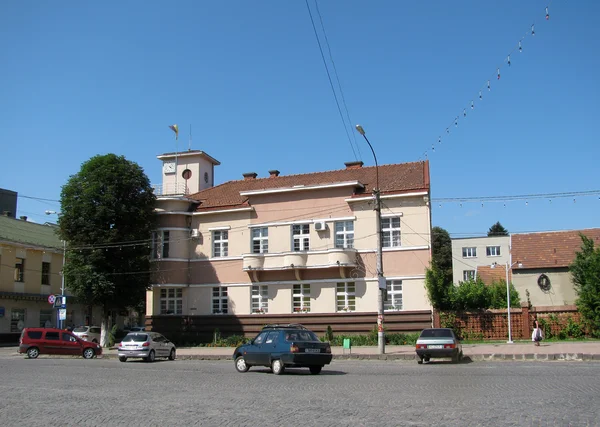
x: 492, y: 250
x: 344, y: 234
x: 171, y: 301
x: 219, y: 300
x: 300, y: 237
x: 346, y: 296
x: 45, y: 273
x: 19, y: 270
x: 468, y: 275
x: 17, y: 319
x: 46, y: 318
x: 260, y: 240
x: 160, y: 244
x: 390, y: 232
x: 469, y: 252
x: 220, y: 243
x: 394, y: 295
x: 260, y: 299
x: 301, y: 298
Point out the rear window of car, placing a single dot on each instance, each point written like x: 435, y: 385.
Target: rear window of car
x: 436, y: 333
x: 300, y: 336
x: 34, y: 335
x: 80, y: 329
x: 136, y: 338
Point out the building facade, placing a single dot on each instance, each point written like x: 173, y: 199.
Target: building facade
x: 289, y: 244
x: 474, y: 256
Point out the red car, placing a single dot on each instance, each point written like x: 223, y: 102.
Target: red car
x: 36, y: 341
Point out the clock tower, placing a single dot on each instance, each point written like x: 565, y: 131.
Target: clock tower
x: 186, y: 172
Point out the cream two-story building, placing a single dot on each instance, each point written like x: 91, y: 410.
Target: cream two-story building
x: 288, y: 244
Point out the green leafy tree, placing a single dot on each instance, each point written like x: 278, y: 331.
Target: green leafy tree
x: 497, y: 295
x: 586, y: 278
x: 107, y: 220
x: 497, y: 230
x: 438, y: 278
x: 441, y: 248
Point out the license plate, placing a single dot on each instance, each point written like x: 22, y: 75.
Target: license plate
x: 435, y: 346
x: 312, y: 350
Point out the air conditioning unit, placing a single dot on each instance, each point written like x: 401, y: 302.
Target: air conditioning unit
x: 320, y: 226
x: 195, y: 233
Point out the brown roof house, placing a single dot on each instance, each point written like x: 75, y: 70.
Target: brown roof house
x: 545, y: 259
x: 288, y: 244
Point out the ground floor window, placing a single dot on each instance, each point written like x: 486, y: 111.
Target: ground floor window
x: 260, y: 299
x: 17, y: 319
x: 46, y: 318
x: 394, y: 295
x: 171, y: 301
x: 219, y: 300
x: 301, y: 298
x: 346, y: 296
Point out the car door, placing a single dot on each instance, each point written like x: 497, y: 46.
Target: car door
x: 70, y: 344
x: 268, y: 346
x: 159, y: 342
x: 251, y: 350
x: 52, y: 344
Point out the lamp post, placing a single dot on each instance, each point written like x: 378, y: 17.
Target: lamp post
x: 62, y: 273
x: 508, y: 267
x: 380, y: 278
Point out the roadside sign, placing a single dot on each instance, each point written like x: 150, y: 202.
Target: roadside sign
x: 382, y: 283
x: 60, y: 301
x: 51, y: 299
x: 62, y: 314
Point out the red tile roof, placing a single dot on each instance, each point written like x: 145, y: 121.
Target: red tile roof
x: 489, y: 275
x: 395, y: 178
x: 550, y: 249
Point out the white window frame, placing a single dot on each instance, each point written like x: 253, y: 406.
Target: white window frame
x: 344, y: 234
x: 160, y: 244
x: 301, y: 235
x: 260, y: 299
x: 469, y: 252
x: 468, y: 275
x: 391, y: 236
x: 260, y: 240
x: 220, y: 300
x: 394, y: 295
x: 492, y: 250
x: 221, y: 241
x: 172, y: 300
x: 19, y: 270
x: 347, y: 290
x: 301, y: 298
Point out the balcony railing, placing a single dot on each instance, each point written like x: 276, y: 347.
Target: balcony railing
x: 170, y: 189
x: 335, y: 257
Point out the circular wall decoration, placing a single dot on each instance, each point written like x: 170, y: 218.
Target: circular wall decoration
x: 544, y: 282
x: 187, y: 174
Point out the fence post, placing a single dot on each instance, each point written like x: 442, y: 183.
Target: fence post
x: 525, y: 330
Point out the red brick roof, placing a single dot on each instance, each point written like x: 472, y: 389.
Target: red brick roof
x: 550, y: 249
x: 489, y: 275
x: 395, y: 178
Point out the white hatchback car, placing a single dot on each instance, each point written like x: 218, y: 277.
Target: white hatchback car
x: 145, y: 345
x: 88, y: 333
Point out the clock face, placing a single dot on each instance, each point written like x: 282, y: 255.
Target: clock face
x: 169, y: 167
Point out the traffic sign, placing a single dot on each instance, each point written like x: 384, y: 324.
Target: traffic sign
x: 62, y: 314
x: 51, y: 299
x: 60, y: 301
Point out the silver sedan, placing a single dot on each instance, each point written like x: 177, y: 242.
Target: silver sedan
x: 145, y: 345
x: 438, y: 343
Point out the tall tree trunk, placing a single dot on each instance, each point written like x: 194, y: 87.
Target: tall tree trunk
x: 105, y: 328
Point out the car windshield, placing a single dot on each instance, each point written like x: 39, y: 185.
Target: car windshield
x: 80, y: 329
x: 436, y: 333
x: 135, y: 338
x: 300, y: 336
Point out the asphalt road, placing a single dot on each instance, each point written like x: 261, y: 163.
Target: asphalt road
x: 76, y: 392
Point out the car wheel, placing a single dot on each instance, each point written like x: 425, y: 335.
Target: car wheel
x: 172, y: 354
x: 122, y: 359
x: 426, y: 359
x: 315, y: 370
x: 88, y: 353
x: 240, y: 364
x: 151, y: 357
x: 33, y: 352
x: 277, y: 367
x: 420, y: 361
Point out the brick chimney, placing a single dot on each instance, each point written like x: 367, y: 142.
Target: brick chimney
x: 354, y: 165
x: 274, y: 173
x: 249, y: 175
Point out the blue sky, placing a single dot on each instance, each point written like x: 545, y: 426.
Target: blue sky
x: 84, y: 78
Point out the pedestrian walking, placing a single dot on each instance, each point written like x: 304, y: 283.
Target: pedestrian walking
x: 537, y: 334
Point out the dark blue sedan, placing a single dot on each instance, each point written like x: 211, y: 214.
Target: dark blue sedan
x: 283, y: 346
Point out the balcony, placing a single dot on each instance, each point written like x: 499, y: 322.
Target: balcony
x: 330, y: 258
x: 170, y: 189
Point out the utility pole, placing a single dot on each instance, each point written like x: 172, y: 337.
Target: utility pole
x: 62, y: 284
x: 381, y: 283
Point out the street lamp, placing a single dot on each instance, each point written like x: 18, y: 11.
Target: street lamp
x: 380, y: 277
x: 62, y: 273
x: 508, y: 267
